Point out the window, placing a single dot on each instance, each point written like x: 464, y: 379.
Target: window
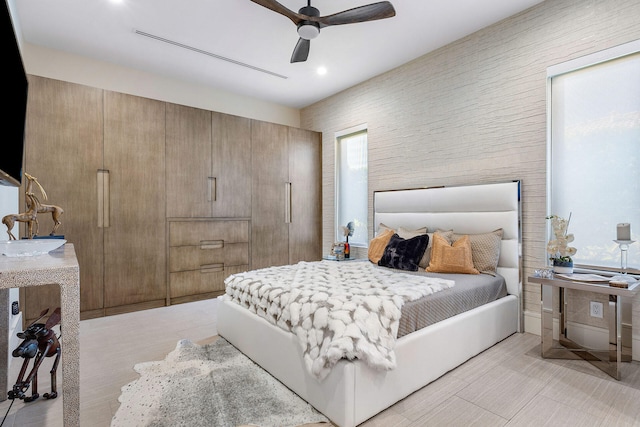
x: 594, y: 152
x: 352, y: 184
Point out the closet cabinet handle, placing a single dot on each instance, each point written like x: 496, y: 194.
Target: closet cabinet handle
x: 287, y: 202
x: 103, y: 198
x: 213, y: 188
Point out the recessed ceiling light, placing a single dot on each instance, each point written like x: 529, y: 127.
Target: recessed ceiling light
x: 322, y: 71
x: 117, y: 1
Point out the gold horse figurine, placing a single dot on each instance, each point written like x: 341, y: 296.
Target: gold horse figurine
x: 29, y: 217
x: 56, y: 211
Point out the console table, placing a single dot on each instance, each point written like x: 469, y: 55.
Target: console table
x: 564, y: 348
x: 58, y: 267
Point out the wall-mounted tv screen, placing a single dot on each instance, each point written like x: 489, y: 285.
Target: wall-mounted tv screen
x: 14, y: 102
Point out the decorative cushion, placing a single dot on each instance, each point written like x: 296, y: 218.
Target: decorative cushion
x: 377, y: 245
x: 424, y: 262
x: 405, y: 233
x: 456, y: 258
x: 383, y: 227
x: 404, y: 254
x: 485, y: 249
x: 447, y: 234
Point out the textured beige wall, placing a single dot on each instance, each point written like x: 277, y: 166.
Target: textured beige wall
x: 474, y: 112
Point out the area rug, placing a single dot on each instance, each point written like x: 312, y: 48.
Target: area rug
x: 209, y: 385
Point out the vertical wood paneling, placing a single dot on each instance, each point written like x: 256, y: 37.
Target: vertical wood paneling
x: 188, y: 149
x: 63, y: 150
x: 473, y: 112
x: 270, y: 169
x: 305, y: 171
x: 231, y: 165
x: 134, y: 244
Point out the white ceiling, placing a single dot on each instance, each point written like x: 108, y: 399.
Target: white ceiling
x: 248, y: 33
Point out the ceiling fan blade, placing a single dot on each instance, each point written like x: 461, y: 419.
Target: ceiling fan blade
x: 296, y: 18
x: 301, y: 51
x: 370, y: 12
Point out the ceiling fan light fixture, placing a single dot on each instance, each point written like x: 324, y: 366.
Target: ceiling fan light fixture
x: 309, y: 22
x: 308, y: 30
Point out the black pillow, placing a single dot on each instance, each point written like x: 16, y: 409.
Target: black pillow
x: 404, y: 254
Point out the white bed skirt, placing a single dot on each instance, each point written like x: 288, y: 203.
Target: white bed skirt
x: 353, y: 392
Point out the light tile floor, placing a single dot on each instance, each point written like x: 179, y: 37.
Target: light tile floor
x: 507, y: 385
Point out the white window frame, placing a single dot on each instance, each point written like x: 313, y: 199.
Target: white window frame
x: 338, y: 136
x: 604, y: 56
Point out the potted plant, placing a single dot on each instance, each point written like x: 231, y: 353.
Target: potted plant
x: 558, y: 248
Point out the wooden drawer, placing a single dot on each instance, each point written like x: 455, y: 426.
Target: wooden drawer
x: 208, y: 279
x: 197, y: 233
x: 184, y: 258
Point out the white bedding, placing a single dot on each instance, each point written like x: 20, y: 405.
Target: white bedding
x: 336, y: 309
x: 353, y: 392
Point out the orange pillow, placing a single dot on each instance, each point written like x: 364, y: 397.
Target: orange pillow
x: 456, y: 258
x: 377, y: 245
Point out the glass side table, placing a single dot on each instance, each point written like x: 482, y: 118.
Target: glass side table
x: 607, y: 360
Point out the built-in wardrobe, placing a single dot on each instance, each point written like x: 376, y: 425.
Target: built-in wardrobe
x: 163, y: 201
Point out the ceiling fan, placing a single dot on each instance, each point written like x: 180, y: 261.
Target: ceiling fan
x: 309, y: 21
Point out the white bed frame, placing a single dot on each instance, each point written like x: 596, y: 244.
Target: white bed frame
x: 353, y: 392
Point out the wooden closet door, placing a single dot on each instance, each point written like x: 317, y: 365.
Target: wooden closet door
x: 305, y: 175
x: 134, y: 242
x: 231, y: 166
x: 270, y: 168
x: 63, y: 150
x: 188, y: 172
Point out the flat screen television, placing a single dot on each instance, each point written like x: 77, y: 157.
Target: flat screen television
x: 14, y: 102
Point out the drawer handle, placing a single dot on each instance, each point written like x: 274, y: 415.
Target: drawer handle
x: 211, y: 244
x: 212, y: 268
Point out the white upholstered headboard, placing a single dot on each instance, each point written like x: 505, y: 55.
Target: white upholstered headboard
x: 468, y: 209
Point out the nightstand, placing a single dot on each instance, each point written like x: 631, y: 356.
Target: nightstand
x: 564, y: 348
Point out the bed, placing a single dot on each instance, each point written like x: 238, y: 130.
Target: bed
x: 353, y: 392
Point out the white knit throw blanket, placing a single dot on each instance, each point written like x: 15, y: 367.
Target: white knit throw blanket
x: 336, y: 309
